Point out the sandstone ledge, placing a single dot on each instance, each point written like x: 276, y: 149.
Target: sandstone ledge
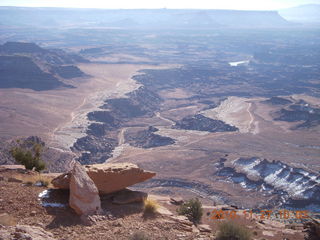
x: 109, y: 177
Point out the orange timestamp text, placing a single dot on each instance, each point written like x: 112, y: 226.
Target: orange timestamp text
x: 217, y: 214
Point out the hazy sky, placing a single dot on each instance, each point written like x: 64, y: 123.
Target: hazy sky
x: 205, y: 4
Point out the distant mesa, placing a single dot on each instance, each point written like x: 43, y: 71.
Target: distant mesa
x: 202, y: 123
x: 277, y: 101
x: 309, y: 13
x: 302, y: 112
x: 147, y: 139
x: 22, y: 72
x: 94, y: 149
x: 47, y: 56
x: 20, y: 47
x: 140, y: 102
x: 142, y: 18
x: 105, y: 117
x: 68, y: 71
x: 26, y: 65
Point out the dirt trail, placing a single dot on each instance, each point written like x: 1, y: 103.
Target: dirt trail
x: 121, y: 138
x: 251, y: 125
x: 158, y: 114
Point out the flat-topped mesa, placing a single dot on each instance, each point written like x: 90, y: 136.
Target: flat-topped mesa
x: 109, y: 177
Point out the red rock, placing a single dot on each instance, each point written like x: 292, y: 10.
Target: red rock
x: 84, y: 195
x: 109, y: 177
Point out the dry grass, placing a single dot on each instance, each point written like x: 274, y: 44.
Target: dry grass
x: 150, y: 206
x: 36, y: 179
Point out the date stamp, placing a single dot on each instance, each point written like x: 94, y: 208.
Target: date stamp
x: 217, y: 214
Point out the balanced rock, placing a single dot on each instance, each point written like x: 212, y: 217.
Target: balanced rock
x: 109, y: 177
x: 84, y: 195
x: 62, y: 181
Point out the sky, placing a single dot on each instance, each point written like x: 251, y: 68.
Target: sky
x: 173, y: 4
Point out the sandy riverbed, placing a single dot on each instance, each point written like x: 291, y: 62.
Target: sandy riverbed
x: 237, y: 112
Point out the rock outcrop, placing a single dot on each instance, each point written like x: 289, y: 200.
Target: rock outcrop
x: 176, y: 200
x: 199, y: 122
x: 109, y: 177
x: 148, y: 139
x: 313, y: 229
x: 62, y: 181
x: 84, y: 195
x: 21, y: 232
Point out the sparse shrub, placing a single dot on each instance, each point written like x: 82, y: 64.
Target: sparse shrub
x: 31, y: 159
x: 192, y: 209
x: 150, y: 206
x: 233, y: 231
x: 139, y: 236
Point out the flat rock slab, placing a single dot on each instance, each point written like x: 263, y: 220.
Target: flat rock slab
x: 109, y: 177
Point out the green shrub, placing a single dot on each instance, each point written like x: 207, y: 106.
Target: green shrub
x: 192, y: 209
x: 233, y: 231
x: 31, y: 159
x: 139, y: 236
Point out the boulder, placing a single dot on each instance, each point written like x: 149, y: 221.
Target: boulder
x: 180, y: 219
x: 128, y: 196
x: 176, y: 200
x: 204, y: 228
x: 182, y: 223
x: 109, y: 177
x: 84, y: 195
x: 164, y: 211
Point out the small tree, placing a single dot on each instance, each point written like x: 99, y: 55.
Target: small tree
x: 31, y: 159
x: 192, y: 209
